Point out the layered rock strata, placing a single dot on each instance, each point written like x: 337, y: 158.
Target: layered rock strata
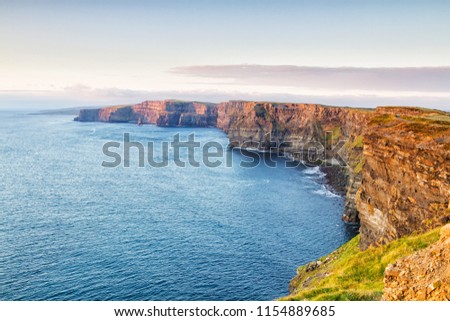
x: 406, y: 174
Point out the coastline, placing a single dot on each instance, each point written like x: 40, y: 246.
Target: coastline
x: 390, y: 189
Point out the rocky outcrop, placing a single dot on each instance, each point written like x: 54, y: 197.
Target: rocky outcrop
x: 424, y: 275
x: 167, y: 113
x: 406, y: 174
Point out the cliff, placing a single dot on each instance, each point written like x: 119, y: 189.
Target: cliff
x: 397, y: 159
x: 404, y: 191
x: 167, y: 113
x: 392, y: 164
x: 316, y: 135
x: 406, y: 174
x: 309, y: 133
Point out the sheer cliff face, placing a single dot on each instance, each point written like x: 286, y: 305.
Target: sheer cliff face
x: 292, y: 127
x: 406, y: 174
x: 162, y: 113
x: 299, y: 128
x: 242, y: 119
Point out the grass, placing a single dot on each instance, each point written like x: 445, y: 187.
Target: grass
x: 440, y: 117
x: 358, y: 142
x: 333, y: 135
x: 336, y: 133
x: 431, y: 128
x: 358, y: 167
x: 420, y: 121
x: 436, y: 125
x: 413, y: 111
x: 352, y: 274
x: 353, y: 153
x: 434, y: 119
x: 382, y: 119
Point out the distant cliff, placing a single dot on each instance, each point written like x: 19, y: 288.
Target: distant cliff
x: 168, y: 113
x: 398, y: 176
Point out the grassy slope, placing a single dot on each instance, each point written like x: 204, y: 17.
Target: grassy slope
x: 353, y: 274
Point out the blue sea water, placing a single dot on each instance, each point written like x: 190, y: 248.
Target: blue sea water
x: 71, y: 229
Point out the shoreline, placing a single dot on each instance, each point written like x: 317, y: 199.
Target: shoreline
x: 395, y: 183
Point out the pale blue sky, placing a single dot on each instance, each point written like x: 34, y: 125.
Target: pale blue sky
x: 101, y: 52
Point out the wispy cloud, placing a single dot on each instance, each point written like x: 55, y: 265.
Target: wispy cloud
x: 406, y: 79
x: 82, y: 95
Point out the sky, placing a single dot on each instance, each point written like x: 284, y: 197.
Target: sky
x: 354, y: 53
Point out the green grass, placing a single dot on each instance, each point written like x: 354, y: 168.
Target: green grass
x: 440, y: 117
x: 353, y: 149
x: 358, y: 142
x: 425, y: 128
x: 336, y: 133
x: 410, y: 110
x: 358, y: 167
x: 333, y: 135
x: 353, y: 274
x: 423, y: 122
x: 434, y: 119
x: 382, y: 119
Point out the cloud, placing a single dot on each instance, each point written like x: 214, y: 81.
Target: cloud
x: 343, y: 86
x: 82, y: 95
x: 405, y: 79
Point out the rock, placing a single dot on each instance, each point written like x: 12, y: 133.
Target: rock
x: 445, y: 232
x: 303, y: 126
x: 391, y: 271
x: 420, y: 276
x: 405, y: 178
x: 412, y: 200
x: 313, y: 265
x: 162, y: 113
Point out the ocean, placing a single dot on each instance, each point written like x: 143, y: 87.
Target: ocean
x: 72, y: 229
